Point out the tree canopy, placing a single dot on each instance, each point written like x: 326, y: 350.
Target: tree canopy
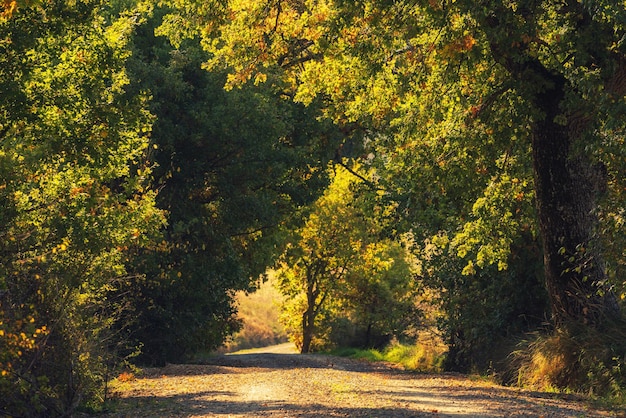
x: 490, y: 121
x: 155, y: 158
x: 531, y: 86
x: 346, y: 282
x: 231, y: 168
x: 73, y: 201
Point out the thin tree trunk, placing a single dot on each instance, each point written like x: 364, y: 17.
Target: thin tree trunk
x: 307, y: 331
x: 308, y: 317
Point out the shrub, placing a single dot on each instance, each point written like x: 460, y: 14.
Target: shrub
x: 575, y: 358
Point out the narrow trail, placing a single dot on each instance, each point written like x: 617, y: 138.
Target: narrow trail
x: 278, y: 383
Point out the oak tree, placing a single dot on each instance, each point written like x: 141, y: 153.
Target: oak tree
x: 545, y: 77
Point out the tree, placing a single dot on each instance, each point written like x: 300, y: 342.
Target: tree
x: 568, y: 97
x: 231, y: 169
x: 323, y: 251
x: 560, y: 61
x: 73, y: 204
x: 472, y: 91
x: 380, y: 297
x: 339, y: 267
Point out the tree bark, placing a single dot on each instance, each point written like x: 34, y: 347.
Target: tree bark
x: 567, y: 185
x: 308, y: 319
x: 567, y: 188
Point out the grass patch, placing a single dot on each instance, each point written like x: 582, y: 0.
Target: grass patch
x: 426, y: 355
x: 359, y: 354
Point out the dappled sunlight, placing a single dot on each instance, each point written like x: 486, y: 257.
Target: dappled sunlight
x: 430, y: 185
x: 286, y: 385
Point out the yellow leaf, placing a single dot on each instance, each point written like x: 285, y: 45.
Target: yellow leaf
x: 259, y: 78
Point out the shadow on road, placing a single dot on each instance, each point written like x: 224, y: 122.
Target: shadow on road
x: 292, y: 361
x: 198, y: 405
x: 251, y: 384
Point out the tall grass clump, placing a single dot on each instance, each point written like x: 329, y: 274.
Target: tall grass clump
x: 575, y: 358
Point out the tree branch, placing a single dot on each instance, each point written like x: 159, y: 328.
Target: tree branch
x: 368, y: 182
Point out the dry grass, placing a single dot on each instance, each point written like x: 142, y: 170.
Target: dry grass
x: 583, y: 361
x: 259, y: 312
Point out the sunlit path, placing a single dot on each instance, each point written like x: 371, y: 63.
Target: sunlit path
x: 272, y: 382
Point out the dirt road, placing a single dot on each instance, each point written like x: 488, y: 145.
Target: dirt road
x: 279, y: 384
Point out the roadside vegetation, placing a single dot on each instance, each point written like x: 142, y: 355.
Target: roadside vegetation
x: 426, y: 355
x: 402, y: 168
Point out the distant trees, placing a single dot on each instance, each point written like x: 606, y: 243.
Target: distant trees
x: 343, y: 278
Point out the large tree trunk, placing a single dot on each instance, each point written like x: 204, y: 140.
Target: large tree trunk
x: 567, y: 188
x: 567, y: 185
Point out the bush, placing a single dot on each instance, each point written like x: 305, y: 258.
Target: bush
x: 575, y: 358
x: 487, y: 312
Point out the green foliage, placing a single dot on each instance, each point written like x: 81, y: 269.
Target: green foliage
x: 485, y: 312
x: 73, y: 203
x: 378, y: 298
x: 469, y: 109
x: 491, y: 138
x: 497, y: 221
x: 345, y: 283
x: 230, y: 170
